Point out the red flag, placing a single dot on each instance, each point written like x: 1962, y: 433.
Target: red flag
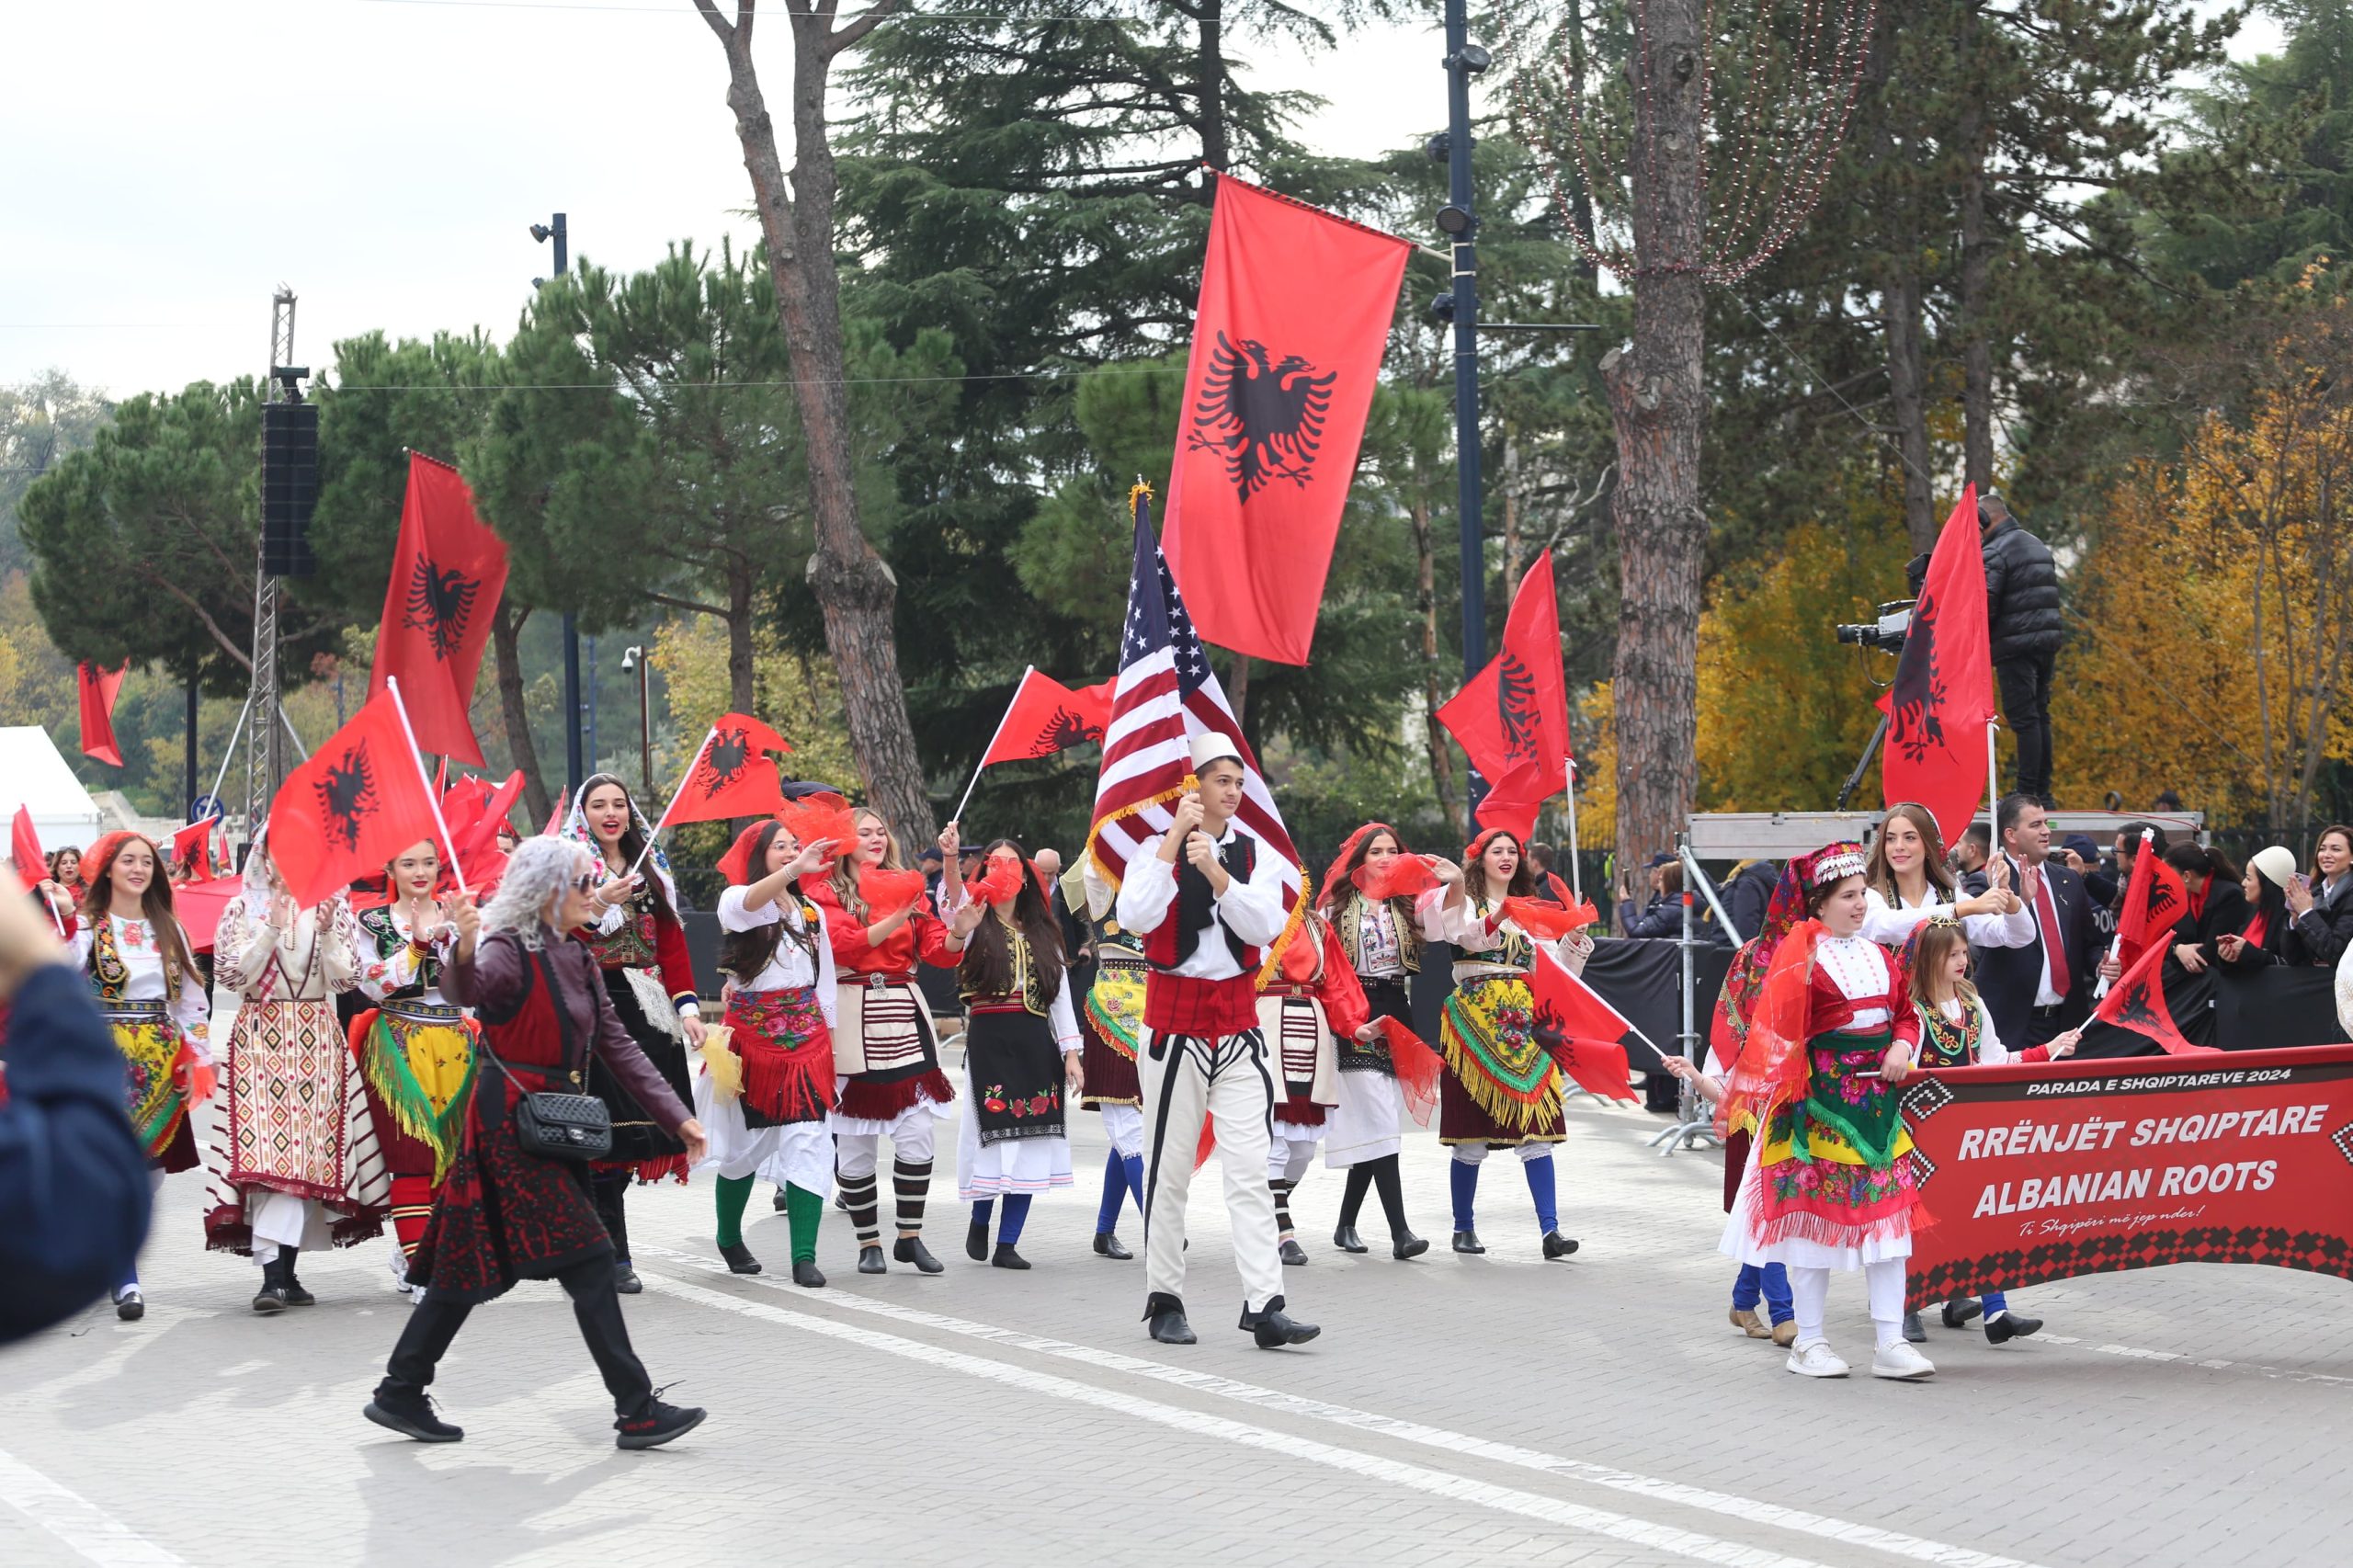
x: 194, y: 844
x: 97, y: 693
x: 473, y: 829
x: 1943, y: 696
x: 731, y: 778
x: 1512, y: 720
x: 24, y: 848
x: 1046, y: 716
x: 2155, y: 901
x: 1580, y: 1029
x: 448, y: 570
x: 1294, y: 318
x: 198, y: 906
x: 2138, y: 1002
x: 360, y: 799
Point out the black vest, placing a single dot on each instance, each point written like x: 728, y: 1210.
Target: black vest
x: 1194, y: 916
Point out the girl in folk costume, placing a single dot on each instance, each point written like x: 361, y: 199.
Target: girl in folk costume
x: 641, y: 949
x: 765, y: 1094
x: 1956, y: 1031
x: 1831, y: 1037
x: 1382, y: 944
x: 1113, y: 1024
x: 886, y: 1057
x: 1501, y: 1088
x: 293, y: 1162
x: 1021, y: 1046
x: 1312, y: 997
x: 415, y: 1047
x: 137, y: 960
x: 1907, y: 882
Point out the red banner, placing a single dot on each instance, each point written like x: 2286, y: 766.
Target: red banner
x: 1512, y: 718
x: 448, y: 570
x: 97, y: 689
x: 2044, y: 1172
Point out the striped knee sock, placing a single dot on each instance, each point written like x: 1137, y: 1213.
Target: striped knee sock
x: 1282, y: 1207
x: 912, y: 1184
x: 858, y: 1196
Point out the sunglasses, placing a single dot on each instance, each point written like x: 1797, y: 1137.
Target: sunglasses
x: 585, y: 882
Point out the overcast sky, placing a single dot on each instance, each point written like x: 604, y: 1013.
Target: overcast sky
x: 170, y: 161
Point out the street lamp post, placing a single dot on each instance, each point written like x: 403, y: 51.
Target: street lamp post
x: 575, y: 767
x: 634, y: 659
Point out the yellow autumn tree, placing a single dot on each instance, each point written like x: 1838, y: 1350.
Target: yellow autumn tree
x: 801, y: 697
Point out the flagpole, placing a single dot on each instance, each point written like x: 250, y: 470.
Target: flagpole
x: 994, y: 735
x: 393, y: 684
x: 1577, y: 872
x: 660, y: 823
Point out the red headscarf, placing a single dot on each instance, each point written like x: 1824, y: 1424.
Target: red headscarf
x: 737, y: 864
x: 1337, y: 874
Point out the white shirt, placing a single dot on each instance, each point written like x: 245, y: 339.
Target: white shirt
x: 380, y: 976
x: 790, y: 968
x: 1857, y: 966
x: 1890, y: 925
x: 1474, y: 934
x: 1253, y: 911
x: 2024, y: 880
x: 134, y: 943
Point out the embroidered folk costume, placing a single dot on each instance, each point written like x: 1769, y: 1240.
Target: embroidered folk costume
x: 1767, y: 1283
x: 294, y: 1161
x: 1832, y: 1186
x: 1112, y: 1025
x: 1306, y: 1006
x: 415, y: 1052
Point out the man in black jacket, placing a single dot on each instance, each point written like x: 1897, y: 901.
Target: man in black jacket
x: 2043, y: 989
x: 2022, y: 617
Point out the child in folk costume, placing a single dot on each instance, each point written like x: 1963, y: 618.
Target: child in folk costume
x: 1113, y: 1024
x: 415, y: 1047
x: 1207, y: 899
x: 136, y: 959
x: 768, y: 1117
x: 1501, y: 1088
x: 1831, y: 1037
x: 642, y: 950
x: 886, y: 1056
x: 294, y: 1161
x: 1956, y: 1031
x: 1310, y: 997
x: 1021, y: 1046
x: 1384, y: 947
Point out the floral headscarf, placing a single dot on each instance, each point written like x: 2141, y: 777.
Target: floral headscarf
x: 576, y: 827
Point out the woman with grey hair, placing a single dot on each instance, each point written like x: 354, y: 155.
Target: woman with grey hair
x: 506, y: 1214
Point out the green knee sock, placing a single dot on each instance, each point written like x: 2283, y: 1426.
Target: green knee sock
x: 803, y: 1210
x: 735, y: 1192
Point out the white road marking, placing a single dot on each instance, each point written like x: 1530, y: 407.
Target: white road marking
x: 2284, y: 1374
x: 1747, y: 1509
x: 1365, y: 1466
x: 79, y: 1523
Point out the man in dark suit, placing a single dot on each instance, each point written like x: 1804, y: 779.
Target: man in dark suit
x: 2043, y: 989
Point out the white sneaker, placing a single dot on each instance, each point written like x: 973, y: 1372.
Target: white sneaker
x: 1901, y: 1360
x: 1815, y: 1360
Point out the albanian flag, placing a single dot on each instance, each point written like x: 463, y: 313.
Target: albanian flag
x: 2138, y: 1002
x: 98, y: 688
x: 1046, y: 716
x: 448, y: 570
x: 359, y: 800
x: 192, y: 846
x: 731, y: 778
x: 1294, y: 315
x: 25, y: 850
x: 1583, y: 1033
x: 1943, y: 696
x: 475, y: 811
x: 1512, y: 720
x: 2155, y: 901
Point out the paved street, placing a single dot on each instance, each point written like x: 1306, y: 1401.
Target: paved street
x: 1596, y: 1412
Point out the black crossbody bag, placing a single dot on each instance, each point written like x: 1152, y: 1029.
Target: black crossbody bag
x: 548, y: 1123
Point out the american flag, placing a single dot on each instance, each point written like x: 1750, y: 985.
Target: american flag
x: 1167, y: 694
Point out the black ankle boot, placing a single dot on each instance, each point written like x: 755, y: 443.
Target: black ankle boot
x: 1273, y: 1329
x: 1166, y: 1315
x: 1346, y: 1239
x: 295, y: 1295
x: 910, y: 1249
x: 976, y: 1241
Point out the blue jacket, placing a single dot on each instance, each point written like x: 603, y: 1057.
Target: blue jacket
x: 74, y: 1191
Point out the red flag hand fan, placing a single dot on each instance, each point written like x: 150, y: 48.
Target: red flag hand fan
x: 1417, y: 1068
x: 821, y: 818
x: 888, y: 892
x: 1400, y: 876
x: 1547, y: 920
x: 1000, y: 880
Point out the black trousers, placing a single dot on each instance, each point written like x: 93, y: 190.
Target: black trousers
x: 434, y: 1323
x: 2024, y: 685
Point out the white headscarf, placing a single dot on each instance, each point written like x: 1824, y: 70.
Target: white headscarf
x: 576, y: 827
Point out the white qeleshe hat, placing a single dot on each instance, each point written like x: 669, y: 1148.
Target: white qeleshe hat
x: 2277, y: 863
x: 1210, y: 745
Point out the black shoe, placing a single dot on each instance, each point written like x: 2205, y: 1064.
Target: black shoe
x: 870, y: 1261
x: 1107, y: 1245
x: 1293, y: 1254
x: 1467, y: 1241
x: 1405, y: 1244
x: 655, y: 1424
x: 626, y: 1282
x: 1166, y: 1315
x: 1273, y: 1330
x: 1007, y: 1258
x: 1959, y: 1310
x: 130, y: 1305
x: 781, y: 1206
x: 409, y: 1412
x: 1558, y: 1245
x: 977, y: 1241
x: 806, y: 1274
x: 2003, y: 1327
x: 295, y: 1295
x: 1914, y: 1330
x: 739, y: 1259
x: 1346, y: 1240
x: 269, y: 1300
x: 910, y: 1249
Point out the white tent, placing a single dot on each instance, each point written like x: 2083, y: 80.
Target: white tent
x: 33, y: 774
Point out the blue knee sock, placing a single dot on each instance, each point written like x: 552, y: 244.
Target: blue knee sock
x: 1465, y: 1180
x: 1775, y: 1282
x: 1114, y: 1187
x: 1539, y: 1187
x: 981, y: 1211
x: 1747, y: 1287
x: 1017, y: 1213
x: 1995, y: 1301
x: 1133, y: 1164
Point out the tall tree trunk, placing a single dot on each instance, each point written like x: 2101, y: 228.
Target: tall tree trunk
x: 1907, y: 381
x: 1209, y: 85
x: 1656, y: 401
x: 505, y: 638
x: 853, y: 585
x: 1434, y: 734
x: 1238, y: 695
x: 1976, y: 275
x: 1580, y: 198
x: 1511, y: 510
x: 739, y: 637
